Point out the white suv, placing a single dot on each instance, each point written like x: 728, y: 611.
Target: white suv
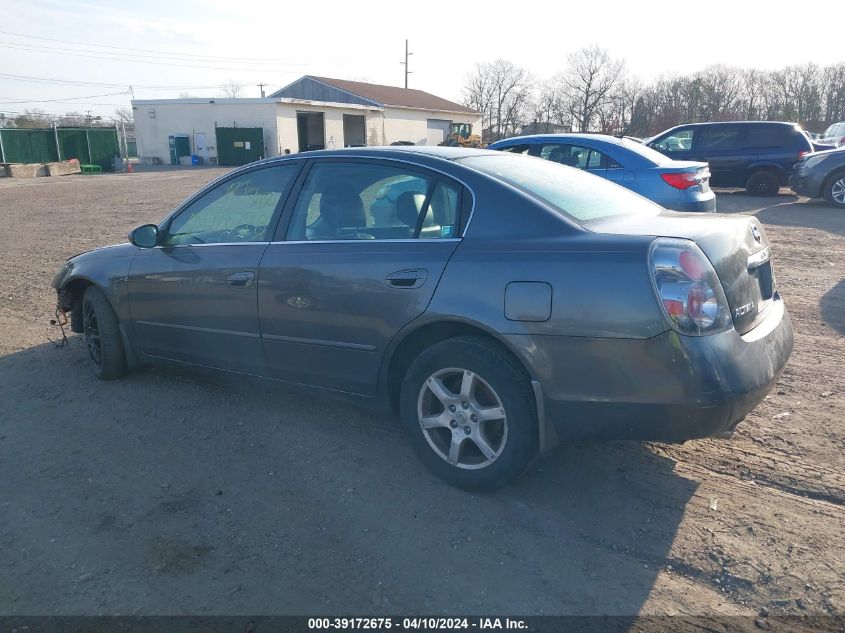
x: 834, y: 135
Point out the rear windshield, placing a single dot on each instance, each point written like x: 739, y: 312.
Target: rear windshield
x: 651, y: 155
x: 575, y: 193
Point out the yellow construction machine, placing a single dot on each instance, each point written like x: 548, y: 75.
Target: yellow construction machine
x: 460, y: 135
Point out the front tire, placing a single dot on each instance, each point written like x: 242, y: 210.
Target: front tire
x: 469, y: 413
x: 102, y: 336
x: 834, y: 190
x: 763, y: 183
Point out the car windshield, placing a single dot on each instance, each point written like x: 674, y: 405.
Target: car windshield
x: 575, y: 193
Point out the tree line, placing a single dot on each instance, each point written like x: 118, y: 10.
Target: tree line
x: 597, y: 93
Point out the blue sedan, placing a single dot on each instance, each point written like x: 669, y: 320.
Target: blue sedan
x: 674, y: 184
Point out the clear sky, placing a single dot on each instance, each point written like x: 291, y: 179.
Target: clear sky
x: 193, y: 47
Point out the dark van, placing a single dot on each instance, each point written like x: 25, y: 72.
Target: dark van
x: 757, y: 155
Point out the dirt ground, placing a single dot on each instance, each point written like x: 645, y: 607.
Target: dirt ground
x: 173, y: 492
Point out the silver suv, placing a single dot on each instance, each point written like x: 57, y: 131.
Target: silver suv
x: 834, y: 135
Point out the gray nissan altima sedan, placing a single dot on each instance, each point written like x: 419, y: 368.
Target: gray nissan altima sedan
x: 498, y: 303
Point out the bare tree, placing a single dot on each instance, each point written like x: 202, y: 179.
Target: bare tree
x: 833, y: 89
x: 124, y: 118
x: 77, y: 119
x: 616, y: 113
x: 502, y: 93
x: 548, y: 108
x: 32, y: 118
x: 231, y: 89
x: 595, y: 92
x: 589, y: 81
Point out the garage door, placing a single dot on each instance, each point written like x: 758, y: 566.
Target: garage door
x: 437, y: 131
x: 239, y: 145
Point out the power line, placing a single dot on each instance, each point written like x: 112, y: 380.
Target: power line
x: 64, y: 99
x: 46, y: 115
x: 72, y: 82
x: 143, y: 50
x: 116, y: 57
x: 121, y: 55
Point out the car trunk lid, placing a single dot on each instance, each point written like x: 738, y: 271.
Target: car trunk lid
x: 736, y: 245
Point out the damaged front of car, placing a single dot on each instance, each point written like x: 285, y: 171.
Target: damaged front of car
x: 105, y: 268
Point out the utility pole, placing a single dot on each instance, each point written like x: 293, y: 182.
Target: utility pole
x: 261, y: 85
x: 405, y: 64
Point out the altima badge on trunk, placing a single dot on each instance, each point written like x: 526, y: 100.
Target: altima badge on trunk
x: 741, y: 311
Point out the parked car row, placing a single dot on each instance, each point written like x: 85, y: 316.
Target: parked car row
x: 677, y: 167
x: 674, y: 184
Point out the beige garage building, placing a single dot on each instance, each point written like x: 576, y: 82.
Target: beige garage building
x: 310, y: 113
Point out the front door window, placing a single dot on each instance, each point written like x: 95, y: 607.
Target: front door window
x: 237, y: 210
x: 676, y: 143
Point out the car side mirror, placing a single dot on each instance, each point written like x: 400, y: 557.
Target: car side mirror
x: 144, y: 236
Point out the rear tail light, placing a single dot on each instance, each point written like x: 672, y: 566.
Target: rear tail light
x: 687, y: 287
x: 802, y: 154
x: 841, y: 142
x: 685, y: 179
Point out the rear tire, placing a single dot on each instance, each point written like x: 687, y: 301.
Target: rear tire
x: 102, y: 336
x: 834, y: 189
x: 477, y: 407
x: 763, y: 183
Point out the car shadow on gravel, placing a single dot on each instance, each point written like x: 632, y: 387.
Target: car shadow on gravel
x: 785, y: 209
x: 737, y: 201
x: 170, y: 492
x: 832, y: 306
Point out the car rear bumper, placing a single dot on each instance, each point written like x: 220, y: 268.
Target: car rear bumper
x: 706, y: 204
x: 667, y: 388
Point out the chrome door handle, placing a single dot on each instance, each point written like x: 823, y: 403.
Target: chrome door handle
x: 240, y: 279
x: 413, y: 278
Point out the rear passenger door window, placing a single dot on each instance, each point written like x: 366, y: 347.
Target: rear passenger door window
x: 517, y: 149
x: 373, y: 201
x: 612, y: 163
x: 765, y: 137
x: 719, y: 139
x: 574, y: 156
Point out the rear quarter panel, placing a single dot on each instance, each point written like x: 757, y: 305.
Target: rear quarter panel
x: 600, y: 285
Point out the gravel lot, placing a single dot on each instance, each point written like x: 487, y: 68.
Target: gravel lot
x: 174, y: 492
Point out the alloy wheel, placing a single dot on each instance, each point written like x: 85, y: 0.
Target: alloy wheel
x: 462, y: 418
x: 837, y: 191
x: 92, y: 335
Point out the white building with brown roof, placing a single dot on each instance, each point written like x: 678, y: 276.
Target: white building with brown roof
x: 310, y: 113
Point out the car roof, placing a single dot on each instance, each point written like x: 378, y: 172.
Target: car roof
x: 790, y: 123
x: 604, y: 138
x: 389, y: 151
x: 705, y: 123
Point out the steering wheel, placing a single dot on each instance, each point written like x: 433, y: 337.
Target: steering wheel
x: 355, y: 235
x: 242, y: 232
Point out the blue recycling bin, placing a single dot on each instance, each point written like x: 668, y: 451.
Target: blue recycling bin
x: 195, y: 160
